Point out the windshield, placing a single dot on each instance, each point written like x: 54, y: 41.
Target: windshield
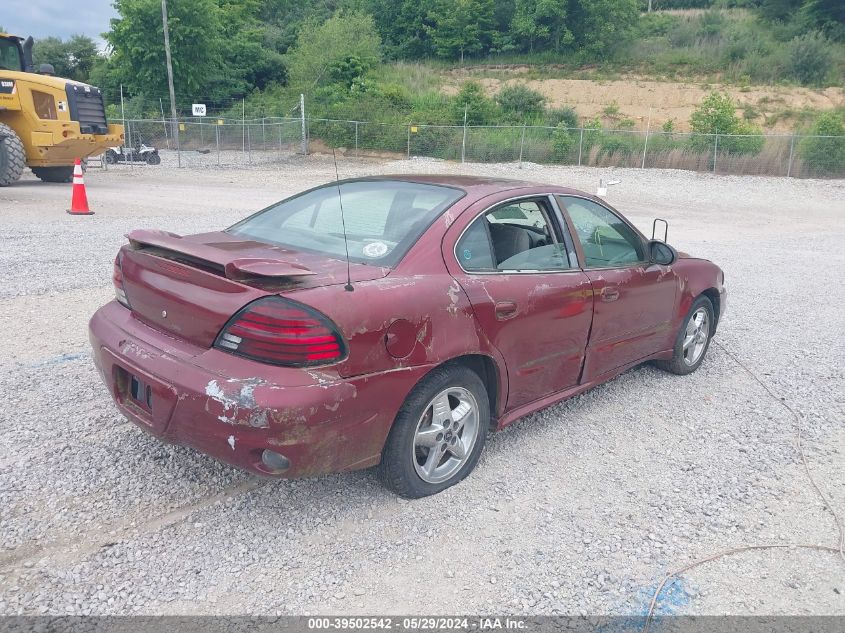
x: 10, y: 55
x: 383, y: 219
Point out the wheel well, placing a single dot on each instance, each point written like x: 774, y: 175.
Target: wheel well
x: 713, y: 295
x: 486, y: 369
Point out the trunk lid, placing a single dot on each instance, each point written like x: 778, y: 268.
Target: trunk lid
x: 191, y: 286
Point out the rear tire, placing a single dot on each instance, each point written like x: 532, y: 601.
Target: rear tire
x: 111, y: 156
x: 153, y: 159
x: 693, y: 339
x: 54, y: 174
x: 12, y: 156
x: 438, y: 434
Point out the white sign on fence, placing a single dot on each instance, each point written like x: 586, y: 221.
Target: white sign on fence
x: 198, y: 109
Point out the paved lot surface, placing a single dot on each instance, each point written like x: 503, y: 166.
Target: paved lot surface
x: 578, y: 509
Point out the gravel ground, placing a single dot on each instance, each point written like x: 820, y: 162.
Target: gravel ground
x: 578, y: 509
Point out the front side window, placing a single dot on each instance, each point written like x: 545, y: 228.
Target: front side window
x: 45, y: 105
x: 383, y: 219
x: 607, y: 241
x: 512, y: 237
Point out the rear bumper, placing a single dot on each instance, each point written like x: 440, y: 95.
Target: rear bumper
x: 234, y: 409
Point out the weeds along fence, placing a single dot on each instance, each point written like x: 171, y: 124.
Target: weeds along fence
x: 242, y: 142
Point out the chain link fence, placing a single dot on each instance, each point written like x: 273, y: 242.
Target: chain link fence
x: 241, y: 142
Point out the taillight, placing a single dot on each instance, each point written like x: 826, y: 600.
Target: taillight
x: 282, y: 332
x: 117, y: 278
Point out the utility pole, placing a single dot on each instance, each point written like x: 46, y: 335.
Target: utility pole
x: 170, y: 80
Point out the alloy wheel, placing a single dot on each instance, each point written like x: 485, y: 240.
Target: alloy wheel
x: 445, y: 435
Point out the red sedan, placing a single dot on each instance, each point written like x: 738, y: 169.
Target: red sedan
x: 392, y: 321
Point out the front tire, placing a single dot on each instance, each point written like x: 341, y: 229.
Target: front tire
x: 154, y: 159
x: 12, y: 156
x: 54, y: 174
x: 438, y: 434
x: 693, y: 339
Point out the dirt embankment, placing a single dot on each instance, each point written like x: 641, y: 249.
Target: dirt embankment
x: 772, y: 107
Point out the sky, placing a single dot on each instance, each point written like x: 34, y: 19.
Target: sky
x: 61, y: 18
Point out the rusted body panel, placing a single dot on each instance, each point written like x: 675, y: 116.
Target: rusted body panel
x: 549, y: 335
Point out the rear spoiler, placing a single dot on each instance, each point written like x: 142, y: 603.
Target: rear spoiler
x: 235, y: 269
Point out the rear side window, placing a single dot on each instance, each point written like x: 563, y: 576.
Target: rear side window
x: 513, y: 237
x: 383, y: 218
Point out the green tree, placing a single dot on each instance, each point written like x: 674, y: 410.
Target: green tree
x: 195, y: 26
x: 825, y: 155
x: 322, y: 49
x: 599, y: 25
x: 541, y: 20
x: 74, y: 58
x: 461, y: 27
x: 404, y: 26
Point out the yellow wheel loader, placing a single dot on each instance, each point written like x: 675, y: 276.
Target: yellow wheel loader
x: 46, y: 122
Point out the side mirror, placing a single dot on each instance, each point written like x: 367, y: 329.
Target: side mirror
x: 661, y: 253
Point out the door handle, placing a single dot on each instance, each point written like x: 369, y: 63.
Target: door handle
x: 505, y: 310
x: 609, y: 293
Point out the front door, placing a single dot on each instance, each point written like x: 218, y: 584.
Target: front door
x: 531, y: 301
x: 634, y: 299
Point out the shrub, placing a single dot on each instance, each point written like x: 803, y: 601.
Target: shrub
x: 480, y: 109
x: 562, y: 142
x: 717, y: 115
x: 565, y: 115
x: 825, y: 155
x: 521, y: 101
x: 808, y: 58
x: 612, y: 109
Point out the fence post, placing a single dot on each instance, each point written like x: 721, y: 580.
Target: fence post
x: 409, y: 142
x: 791, y: 154
x: 645, y: 145
x: 280, y: 123
x: 715, y: 151
x: 217, y: 138
x: 243, y: 126
x: 356, y: 139
x: 580, y: 146
x: 521, y: 145
x: 302, y: 117
x: 263, y: 136
x: 464, y: 141
x: 249, y: 145
x: 163, y: 122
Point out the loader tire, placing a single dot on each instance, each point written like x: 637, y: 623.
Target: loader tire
x: 54, y: 174
x: 12, y: 156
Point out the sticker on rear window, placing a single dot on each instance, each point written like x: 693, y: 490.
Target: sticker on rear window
x: 375, y: 249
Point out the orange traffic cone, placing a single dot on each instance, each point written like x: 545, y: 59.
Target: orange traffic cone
x: 79, y: 201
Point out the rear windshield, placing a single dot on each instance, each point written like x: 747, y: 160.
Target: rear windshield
x: 383, y: 219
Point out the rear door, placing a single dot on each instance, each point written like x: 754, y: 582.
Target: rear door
x: 516, y: 263
x: 634, y: 299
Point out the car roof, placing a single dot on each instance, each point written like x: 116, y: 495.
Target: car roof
x: 479, y: 186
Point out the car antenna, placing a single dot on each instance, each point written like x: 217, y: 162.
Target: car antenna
x: 348, y: 287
